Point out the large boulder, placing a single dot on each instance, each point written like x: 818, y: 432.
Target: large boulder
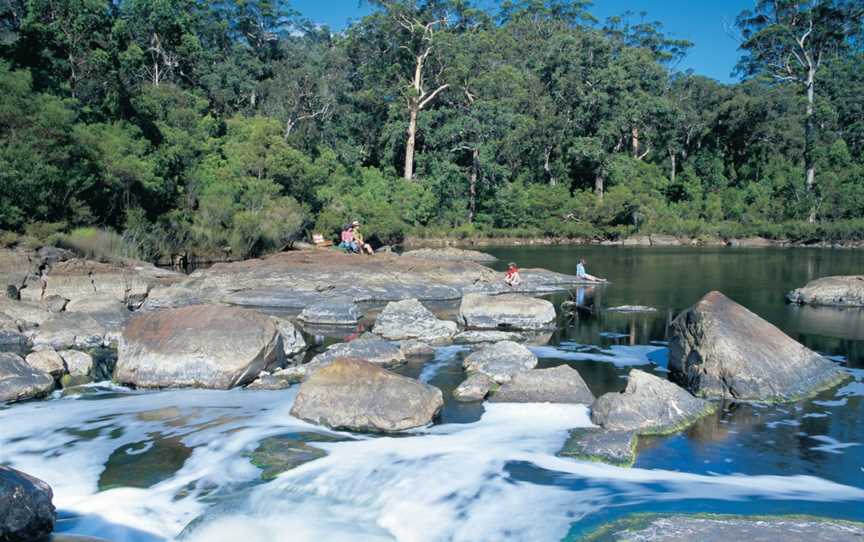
x: 841, y: 291
x: 47, y: 359
x: 20, y: 381
x: 357, y: 395
x: 506, y: 312
x: 500, y: 361
x: 409, y: 319
x: 69, y: 330
x: 561, y: 384
x: 649, y: 406
x: 721, y: 349
x: 104, y: 308
x: 26, y: 511
x: 77, y: 363
x: 373, y: 350
x: 208, y: 346
x: 331, y: 312
x: 26, y: 315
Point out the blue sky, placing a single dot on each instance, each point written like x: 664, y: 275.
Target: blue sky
x: 706, y: 23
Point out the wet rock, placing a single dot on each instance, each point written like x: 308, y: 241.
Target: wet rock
x: 753, y: 242
x: 561, y: 384
x: 209, y: 346
x: 720, y: 349
x: 415, y: 348
x: 500, y: 361
x: 506, y: 312
x: 719, y: 528
x: 47, y: 360
x: 450, y: 254
x: 275, y: 455
x: 268, y: 381
x: 77, y: 363
x: 594, y: 444
x: 486, y: 336
x: 334, y: 312
x: 292, y: 340
x: 144, y: 463
x: 357, y: 395
x: 649, y: 406
x: 26, y: 511
x: 637, y: 240
x: 474, y: 388
x: 840, y: 291
x: 19, y: 381
x: 68, y: 330
x: 11, y: 338
x: 409, y: 319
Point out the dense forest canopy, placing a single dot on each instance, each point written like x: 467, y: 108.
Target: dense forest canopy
x: 198, y: 125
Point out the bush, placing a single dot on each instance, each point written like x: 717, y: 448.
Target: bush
x: 97, y: 244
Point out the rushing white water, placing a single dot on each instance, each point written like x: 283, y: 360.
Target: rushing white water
x: 449, y: 482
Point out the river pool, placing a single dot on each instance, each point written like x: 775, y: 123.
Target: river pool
x: 149, y: 466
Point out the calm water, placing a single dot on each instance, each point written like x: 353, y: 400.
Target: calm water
x: 149, y: 466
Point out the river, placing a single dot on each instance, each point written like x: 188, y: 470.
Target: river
x: 149, y: 466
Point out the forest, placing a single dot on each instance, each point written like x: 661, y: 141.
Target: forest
x: 158, y: 126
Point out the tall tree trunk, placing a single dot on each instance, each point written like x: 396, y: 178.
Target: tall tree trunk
x: 808, y: 142
x: 547, y: 167
x: 598, y: 185
x: 634, y: 141
x: 672, y: 155
x: 472, y: 185
x: 409, y: 144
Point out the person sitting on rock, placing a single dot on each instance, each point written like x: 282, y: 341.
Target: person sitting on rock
x: 511, y: 277
x: 581, y: 274
x: 348, y: 241
x: 362, y: 246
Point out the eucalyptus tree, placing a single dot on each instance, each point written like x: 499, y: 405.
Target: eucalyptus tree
x: 792, y: 40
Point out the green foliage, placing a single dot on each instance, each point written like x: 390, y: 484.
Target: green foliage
x: 237, y: 126
x: 97, y: 244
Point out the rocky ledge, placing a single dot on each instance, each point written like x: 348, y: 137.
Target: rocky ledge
x: 292, y: 281
x: 840, y: 291
x: 721, y: 349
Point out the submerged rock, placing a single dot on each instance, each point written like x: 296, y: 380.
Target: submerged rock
x: 331, y: 312
x: 506, y: 312
x: 450, y: 254
x: 19, y: 381
x: 840, y: 291
x: 357, y: 395
x: 275, y: 455
x: 596, y: 444
x: 561, y: 384
x: 473, y: 388
x: 26, y: 511
x: 722, y: 528
x: 409, y: 319
x: 649, y: 406
x: 631, y: 308
x: 721, y: 349
x: 500, y: 361
x: 208, y: 346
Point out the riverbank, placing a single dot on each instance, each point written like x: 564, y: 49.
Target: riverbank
x: 653, y: 240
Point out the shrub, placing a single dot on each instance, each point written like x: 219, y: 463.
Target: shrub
x: 97, y: 244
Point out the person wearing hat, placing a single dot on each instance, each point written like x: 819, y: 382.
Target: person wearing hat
x: 362, y: 246
x: 512, y: 278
